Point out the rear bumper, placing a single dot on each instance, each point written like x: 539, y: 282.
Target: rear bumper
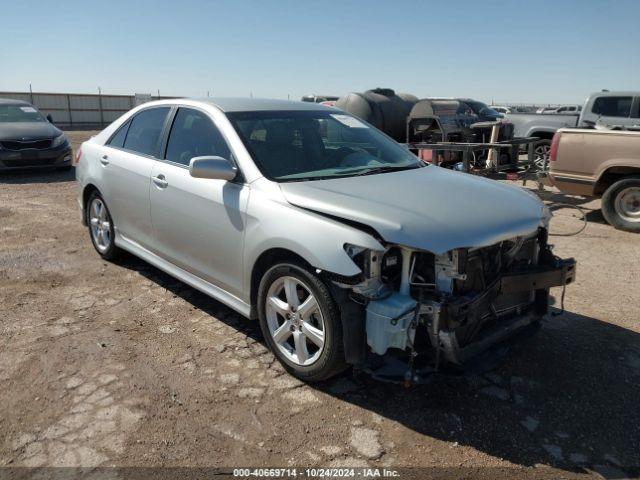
x: 32, y: 158
x: 83, y: 215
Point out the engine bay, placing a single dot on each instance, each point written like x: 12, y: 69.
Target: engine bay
x: 448, y: 308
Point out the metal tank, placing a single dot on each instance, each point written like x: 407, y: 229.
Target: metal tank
x: 381, y: 107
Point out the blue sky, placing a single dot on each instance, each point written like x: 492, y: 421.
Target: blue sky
x: 517, y: 51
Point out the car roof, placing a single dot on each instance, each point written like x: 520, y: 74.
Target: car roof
x: 229, y: 105
x: 11, y: 101
x: 616, y: 93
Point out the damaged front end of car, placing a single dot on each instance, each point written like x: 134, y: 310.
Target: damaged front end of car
x: 412, y: 312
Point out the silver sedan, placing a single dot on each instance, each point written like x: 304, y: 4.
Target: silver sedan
x: 343, y: 244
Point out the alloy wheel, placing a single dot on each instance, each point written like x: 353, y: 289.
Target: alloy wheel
x: 100, y: 225
x: 541, y: 155
x: 295, y: 320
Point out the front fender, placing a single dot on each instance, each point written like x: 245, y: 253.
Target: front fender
x: 274, y: 223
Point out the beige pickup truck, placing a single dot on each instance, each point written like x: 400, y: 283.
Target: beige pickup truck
x: 600, y: 163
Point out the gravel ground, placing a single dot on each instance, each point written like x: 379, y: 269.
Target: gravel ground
x: 105, y: 364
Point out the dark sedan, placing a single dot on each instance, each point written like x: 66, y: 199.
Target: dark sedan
x: 28, y: 139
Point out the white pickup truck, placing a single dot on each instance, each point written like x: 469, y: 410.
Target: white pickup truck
x: 602, y: 108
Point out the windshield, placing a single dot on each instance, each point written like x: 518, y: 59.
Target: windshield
x: 482, y: 108
x: 313, y: 145
x: 20, y: 113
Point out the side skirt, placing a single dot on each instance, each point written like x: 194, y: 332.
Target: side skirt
x: 196, y: 282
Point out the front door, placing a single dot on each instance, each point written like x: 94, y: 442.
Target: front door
x: 198, y: 223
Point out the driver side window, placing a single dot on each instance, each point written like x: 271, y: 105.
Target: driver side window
x: 193, y: 134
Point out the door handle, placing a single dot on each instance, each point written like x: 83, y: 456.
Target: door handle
x: 104, y: 160
x: 160, y: 181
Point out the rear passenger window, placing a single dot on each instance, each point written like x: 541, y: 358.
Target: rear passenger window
x: 193, y: 134
x: 612, y: 106
x: 145, y: 130
x: 637, y: 109
x: 118, y: 139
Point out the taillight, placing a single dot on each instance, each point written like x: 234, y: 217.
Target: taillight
x: 553, y: 151
x: 78, y: 156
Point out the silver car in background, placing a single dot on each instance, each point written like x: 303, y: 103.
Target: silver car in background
x: 342, y: 243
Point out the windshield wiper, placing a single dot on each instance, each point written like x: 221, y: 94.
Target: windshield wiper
x: 354, y: 173
x: 388, y: 168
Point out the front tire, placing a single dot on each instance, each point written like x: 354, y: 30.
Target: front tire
x: 301, y: 322
x: 621, y: 204
x: 101, y: 228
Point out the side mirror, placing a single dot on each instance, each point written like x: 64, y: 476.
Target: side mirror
x: 212, y: 167
x: 49, y: 118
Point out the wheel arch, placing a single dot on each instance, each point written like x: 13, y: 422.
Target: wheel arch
x: 612, y: 175
x: 86, y: 193
x: 542, y: 134
x: 264, y: 262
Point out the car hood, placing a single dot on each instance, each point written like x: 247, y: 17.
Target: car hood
x: 428, y: 208
x: 28, y: 131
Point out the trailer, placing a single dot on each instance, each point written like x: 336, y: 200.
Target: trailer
x: 472, y: 157
x: 437, y: 133
x: 458, y: 133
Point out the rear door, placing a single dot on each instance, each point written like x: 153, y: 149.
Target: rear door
x: 127, y: 162
x: 635, y: 111
x: 198, y: 223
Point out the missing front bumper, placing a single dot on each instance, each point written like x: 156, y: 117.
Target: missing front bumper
x: 459, y: 314
x: 454, y: 353
x: 459, y: 310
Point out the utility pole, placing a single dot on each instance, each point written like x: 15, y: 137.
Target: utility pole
x: 100, y: 106
x: 30, y: 94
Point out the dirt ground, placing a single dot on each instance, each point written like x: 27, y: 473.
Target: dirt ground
x: 118, y: 364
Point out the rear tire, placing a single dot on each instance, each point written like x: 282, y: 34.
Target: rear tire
x: 101, y: 228
x: 621, y: 204
x: 301, y: 322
